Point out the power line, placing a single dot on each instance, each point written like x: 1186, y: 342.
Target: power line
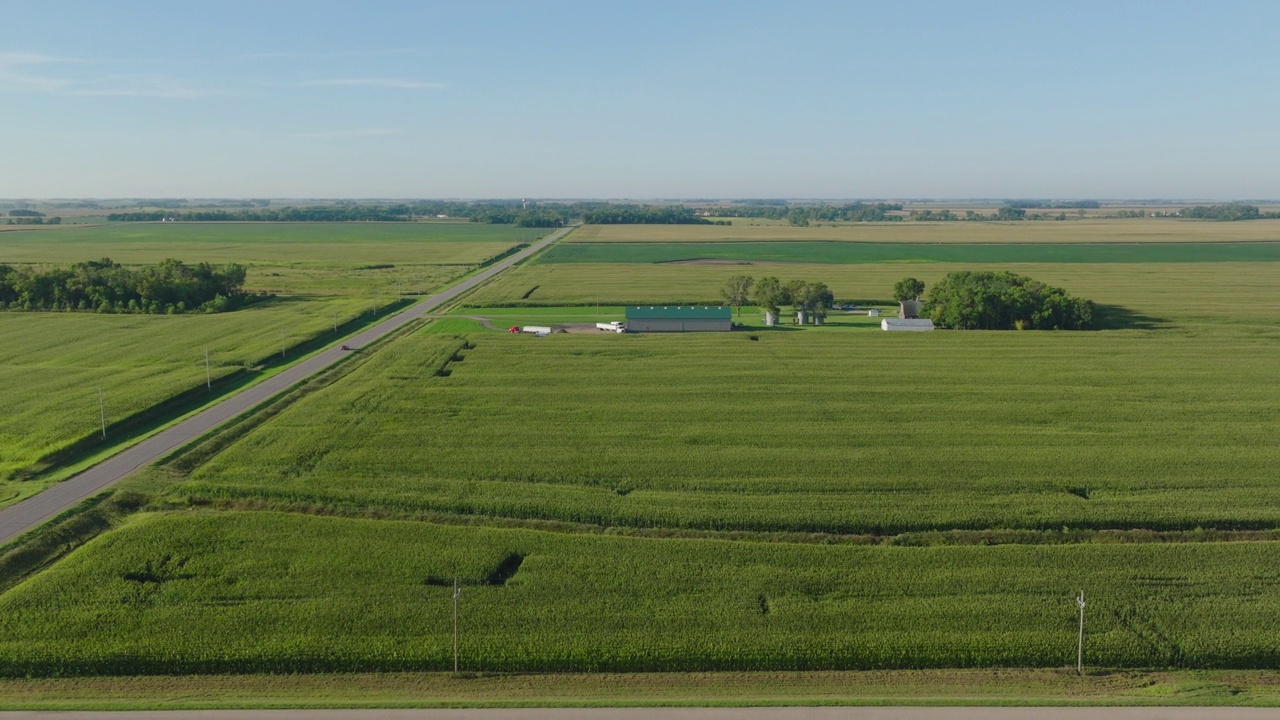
x: 457, y: 593
x: 102, y: 411
x: 1080, y: 645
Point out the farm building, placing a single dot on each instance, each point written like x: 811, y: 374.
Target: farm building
x: 909, y: 309
x: 909, y: 325
x: 679, y: 319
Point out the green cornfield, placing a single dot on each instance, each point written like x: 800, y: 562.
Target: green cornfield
x: 767, y: 499
x: 832, y: 432
x: 267, y: 592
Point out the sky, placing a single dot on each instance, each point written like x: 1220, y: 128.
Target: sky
x: 642, y: 100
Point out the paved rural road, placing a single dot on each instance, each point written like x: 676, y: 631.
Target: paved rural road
x: 770, y: 713
x: 18, y: 519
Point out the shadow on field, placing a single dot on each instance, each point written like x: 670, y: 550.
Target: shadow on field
x: 1117, y: 317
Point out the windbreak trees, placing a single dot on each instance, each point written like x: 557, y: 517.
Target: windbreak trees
x: 969, y: 300
x: 105, y: 286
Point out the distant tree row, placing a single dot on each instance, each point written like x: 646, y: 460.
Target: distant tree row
x: 319, y: 213
x: 969, y: 300
x: 1229, y: 212
x: 643, y: 215
x: 108, y: 287
x: 806, y: 214
x: 506, y: 213
x: 853, y: 212
x: 31, y: 217
x: 533, y: 217
x: 1005, y: 213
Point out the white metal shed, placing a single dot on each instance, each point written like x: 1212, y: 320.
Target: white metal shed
x: 901, y: 325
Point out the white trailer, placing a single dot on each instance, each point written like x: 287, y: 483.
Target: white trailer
x: 615, y: 326
x: 907, y: 325
x: 536, y: 329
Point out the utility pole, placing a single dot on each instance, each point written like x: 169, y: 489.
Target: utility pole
x: 457, y: 593
x: 1080, y: 646
x: 335, y: 322
x: 281, y: 343
x: 208, y: 378
x: 102, y: 411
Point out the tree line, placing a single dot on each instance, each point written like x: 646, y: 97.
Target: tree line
x: 965, y: 300
x: 803, y: 215
x: 983, y: 300
x: 319, y: 213
x: 813, y: 299
x: 514, y: 213
x: 31, y: 217
x: 1004, y: 214
x: 104, y: 286
x: 1228, y: 212
x: 644, y: 215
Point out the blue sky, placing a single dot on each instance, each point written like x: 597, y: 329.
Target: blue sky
x: 640, y: 99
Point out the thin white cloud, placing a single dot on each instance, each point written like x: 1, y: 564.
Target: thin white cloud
x: 354, y: 133
x: 334, y: 54
x: 375, y: 82
x: 15, y: 75
x: 153, y: 86
x: 14, y: 71
x: 16, y: 59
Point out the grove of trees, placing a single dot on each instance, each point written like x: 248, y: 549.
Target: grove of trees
x: 770, y: 294
x: 31, y: 217
x: 108, y: 287
x: 1233, y: 211
x: 969, y: 300
x: 643, y: 215
x: 806, y: 214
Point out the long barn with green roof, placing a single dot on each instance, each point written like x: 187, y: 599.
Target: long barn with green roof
x: 666, y: 318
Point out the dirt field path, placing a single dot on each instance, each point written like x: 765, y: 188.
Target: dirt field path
x: 667, y: 713
x: 18, y: 519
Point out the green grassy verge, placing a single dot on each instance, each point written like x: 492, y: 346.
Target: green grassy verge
x: 926, y: 687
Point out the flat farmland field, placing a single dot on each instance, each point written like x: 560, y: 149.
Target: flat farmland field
x: 790, y: 499
x: 285, y: 258
x: 853, y: 253
x: 587, y: 429
x: 1158, y: 230
x: 1173, y: 293
x: 263, y: 592
x: 52, y: 366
